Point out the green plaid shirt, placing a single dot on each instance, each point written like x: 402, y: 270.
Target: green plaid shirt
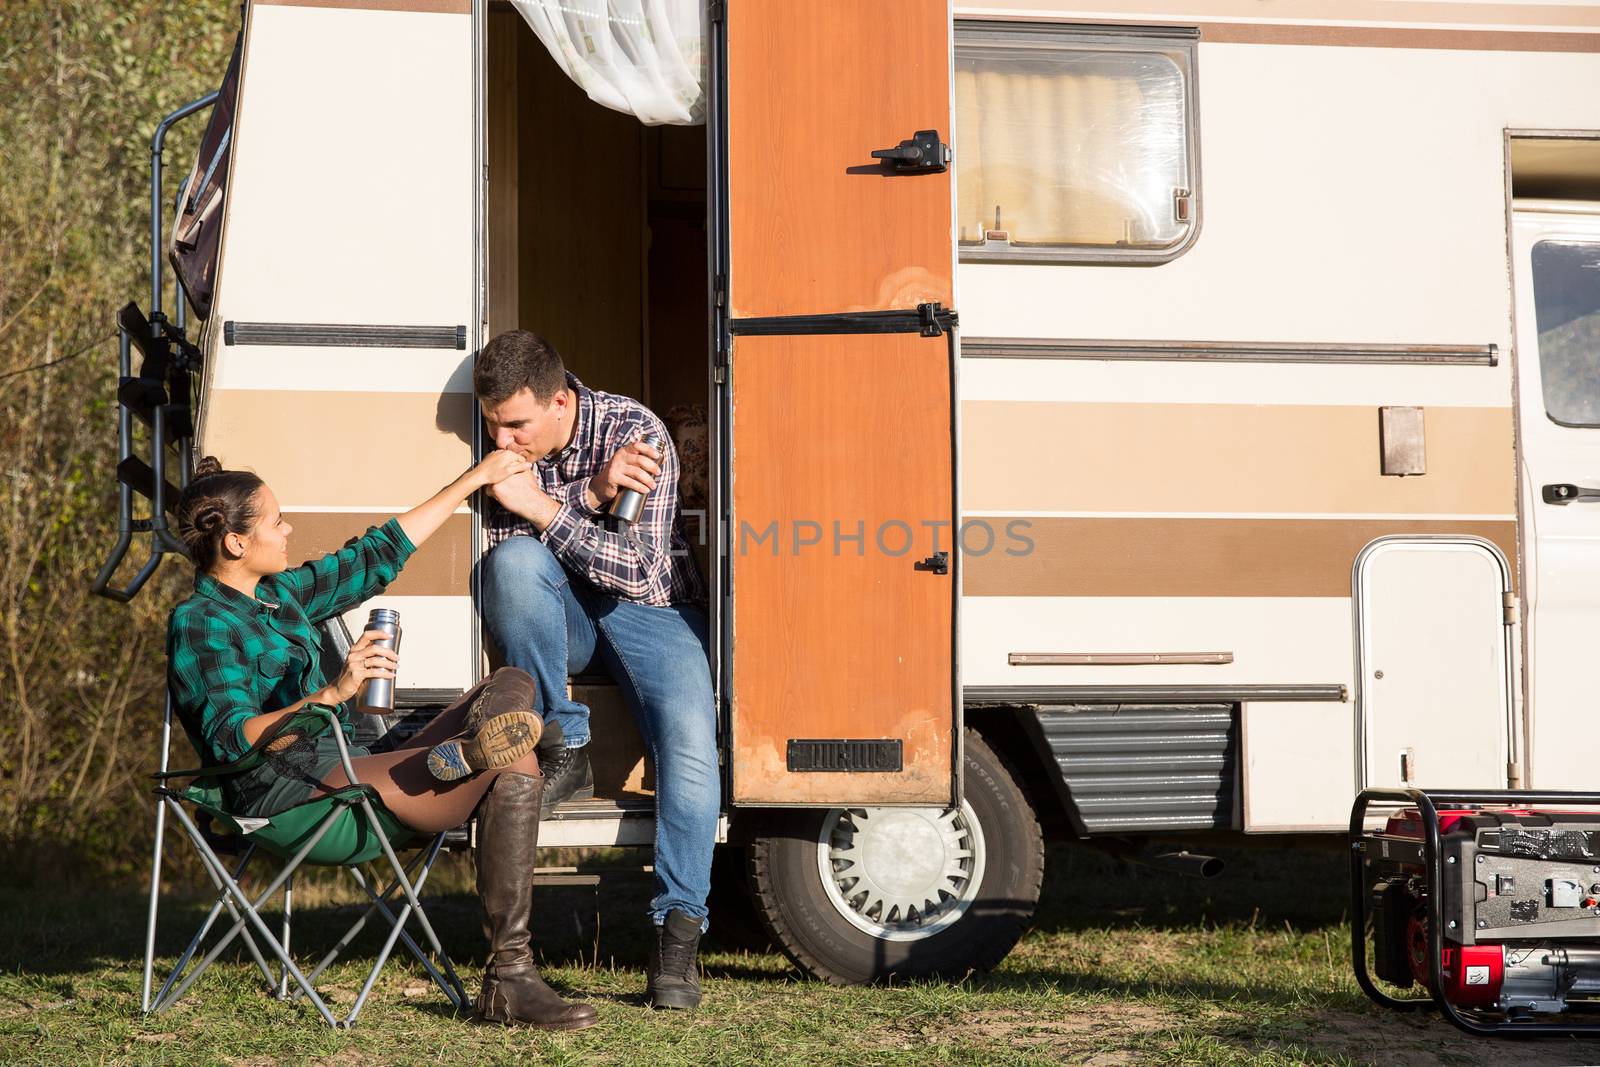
x: 230, y: 656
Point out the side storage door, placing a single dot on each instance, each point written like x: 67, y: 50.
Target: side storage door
x: 839, y: 352
x: 1433, y: 665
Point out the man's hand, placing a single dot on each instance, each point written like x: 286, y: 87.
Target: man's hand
x: 632, y: 466
x: 520, y: 494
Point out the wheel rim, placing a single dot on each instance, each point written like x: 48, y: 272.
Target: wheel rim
x: 901, y: 874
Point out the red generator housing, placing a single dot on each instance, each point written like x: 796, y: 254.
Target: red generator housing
x: 1490, y: 902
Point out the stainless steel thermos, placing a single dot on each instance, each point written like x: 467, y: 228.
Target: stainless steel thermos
x: 377, y: 694
x: 627, y: 504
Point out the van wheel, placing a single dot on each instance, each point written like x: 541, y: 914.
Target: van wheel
x: 855, y: 895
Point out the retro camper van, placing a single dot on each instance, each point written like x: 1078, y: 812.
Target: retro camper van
x: 1146, y: 423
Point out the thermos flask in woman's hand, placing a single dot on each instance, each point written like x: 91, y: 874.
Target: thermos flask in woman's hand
x: 377, y: 694
x: 627, y: 504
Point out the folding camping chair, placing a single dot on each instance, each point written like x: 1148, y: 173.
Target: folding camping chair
x: 345, y: 829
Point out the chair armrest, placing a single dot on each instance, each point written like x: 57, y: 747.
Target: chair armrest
x: 306, y: 720
x: 332, y: 718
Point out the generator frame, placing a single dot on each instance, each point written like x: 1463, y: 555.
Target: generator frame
x: 1427, y: 855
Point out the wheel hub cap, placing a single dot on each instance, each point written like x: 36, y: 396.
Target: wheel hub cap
x: 901, y: 874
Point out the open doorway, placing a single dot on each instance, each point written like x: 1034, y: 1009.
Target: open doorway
x: 596, y: 240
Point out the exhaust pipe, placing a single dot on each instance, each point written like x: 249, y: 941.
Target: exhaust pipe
x: 1173, y: 861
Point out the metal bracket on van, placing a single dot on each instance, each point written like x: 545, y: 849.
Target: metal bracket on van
x: 933, y: 318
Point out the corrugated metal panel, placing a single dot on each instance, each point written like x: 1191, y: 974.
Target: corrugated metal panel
x: 1140, y: 767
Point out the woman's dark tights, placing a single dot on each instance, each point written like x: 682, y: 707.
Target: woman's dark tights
x: 410, y: 792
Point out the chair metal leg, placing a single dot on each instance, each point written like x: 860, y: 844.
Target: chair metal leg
x: 155, y: 904
x: 155, y: 866
x: 360, y: 924
x: 288, y: 907
x: 200, y: 934
x: 251, y: 914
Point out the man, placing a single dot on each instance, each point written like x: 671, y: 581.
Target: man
x: 564, y: 586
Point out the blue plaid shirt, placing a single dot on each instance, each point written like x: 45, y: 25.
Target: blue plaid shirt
x: 649, y: 563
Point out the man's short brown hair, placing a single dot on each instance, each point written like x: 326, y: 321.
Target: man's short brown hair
x: 518, y: 360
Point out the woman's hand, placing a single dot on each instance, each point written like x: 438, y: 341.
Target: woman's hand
x: 499, y: 465
x: 364, y: 661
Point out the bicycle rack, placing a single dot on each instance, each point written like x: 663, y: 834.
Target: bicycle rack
x: 160, y: 396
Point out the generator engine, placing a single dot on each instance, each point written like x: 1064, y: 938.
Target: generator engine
x: 1518, y: 909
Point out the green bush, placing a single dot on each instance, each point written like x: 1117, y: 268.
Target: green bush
x: 82, y: 86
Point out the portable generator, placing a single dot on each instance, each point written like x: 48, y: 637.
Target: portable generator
x: 1489, y: 901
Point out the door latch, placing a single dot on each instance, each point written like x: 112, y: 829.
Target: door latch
x: 923, y: 153
x: 938, y: 563
x: 1564, y: 493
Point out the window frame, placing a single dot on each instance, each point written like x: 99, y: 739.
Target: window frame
x: 1181, y: 40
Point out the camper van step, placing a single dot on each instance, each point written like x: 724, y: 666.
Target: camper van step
x: 137, y: 475
x: 605, y: 809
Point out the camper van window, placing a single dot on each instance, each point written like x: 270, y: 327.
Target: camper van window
x: 1074, y: 146
x: 1566, y: 300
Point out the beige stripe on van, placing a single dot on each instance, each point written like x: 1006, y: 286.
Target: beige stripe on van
x: 342, y: 449
x: 1185, y: 557
x: 1031, y: 456
x: 441, y: 567
x: 437, y: 7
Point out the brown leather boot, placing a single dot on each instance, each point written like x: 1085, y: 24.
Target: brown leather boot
x: 513, y: 994
x: 507, y: 689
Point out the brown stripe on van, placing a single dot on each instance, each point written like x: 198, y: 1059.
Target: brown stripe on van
x: 441, y: 567
x: 1186, y: 557
x: 347, y: 450
x: 434, y: 7
x: 1041, y: 456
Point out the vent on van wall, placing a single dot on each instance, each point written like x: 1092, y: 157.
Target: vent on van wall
x: 1143, y: 767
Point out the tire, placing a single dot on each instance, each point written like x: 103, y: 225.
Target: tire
x: 735, y: 923
x: 973, y: 928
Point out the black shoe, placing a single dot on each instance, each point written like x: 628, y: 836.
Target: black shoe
x: 567, y: 775
x: 674, y: 977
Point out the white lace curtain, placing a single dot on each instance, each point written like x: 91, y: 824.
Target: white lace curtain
x: 645, y: 58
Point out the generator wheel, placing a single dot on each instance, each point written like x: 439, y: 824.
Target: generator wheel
x: 856, y: 895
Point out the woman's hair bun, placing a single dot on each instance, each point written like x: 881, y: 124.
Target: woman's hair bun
x: 207, y: 465
x: 210, y: 515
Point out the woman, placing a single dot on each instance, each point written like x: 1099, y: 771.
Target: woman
x: 243, y: 656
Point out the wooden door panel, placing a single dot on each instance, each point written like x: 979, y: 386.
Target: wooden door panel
x: 816, y: 226
x: 834, y: 637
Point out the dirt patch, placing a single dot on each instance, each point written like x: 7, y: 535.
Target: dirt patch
x: 1397, y: 1040
x: 1100, y: 1034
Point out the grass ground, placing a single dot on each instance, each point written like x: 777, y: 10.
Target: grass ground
x: 1124, y: 966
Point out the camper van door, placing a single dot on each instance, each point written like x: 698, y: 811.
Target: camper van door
x: 839, y: 402
x: 1556, y: 261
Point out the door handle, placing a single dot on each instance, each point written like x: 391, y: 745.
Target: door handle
x: 923, y: 153
x: 1565, y: 493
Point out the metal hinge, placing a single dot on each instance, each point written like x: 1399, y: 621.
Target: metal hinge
x: 718, y: 10
x: 1510, y: 614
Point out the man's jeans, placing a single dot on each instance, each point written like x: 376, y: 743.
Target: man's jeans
x: 551, y: 626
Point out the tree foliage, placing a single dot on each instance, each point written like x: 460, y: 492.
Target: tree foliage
x: 82, y: 86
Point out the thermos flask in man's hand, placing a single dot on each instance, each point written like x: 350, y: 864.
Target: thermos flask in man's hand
x: 627, y: 504
x: 377, y: 694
